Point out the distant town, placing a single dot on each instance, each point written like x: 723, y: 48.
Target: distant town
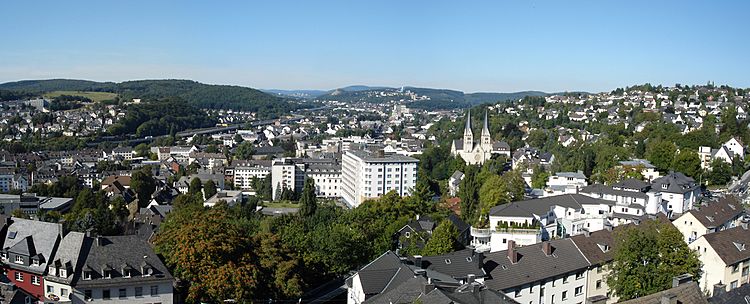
x: 170, y: 191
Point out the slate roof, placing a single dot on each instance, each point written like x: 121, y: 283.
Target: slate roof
x: 377, y: 275
x: 541, y: 206
x: 638, y: 162
x: 732, y: 245
x: 719, y: 212
x: 533, y: 264
x: 597, y: 247
x: 501, y: 146
x: 460, y: 225
x: 738, y: 295
x: 631, y: 183
x: 457, y: 264
x: 676, y: 182
x: 68, y: 253
x: 116, y: 252
x: 458, y: 175
x: 686, y: 293
x: 406, y: 292
x: 32, y: 237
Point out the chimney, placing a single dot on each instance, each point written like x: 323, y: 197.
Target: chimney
x: 99, y: 241
x: 681, y: 279
x: 719, y: 289
x: 512, y: 254
x: 744, y: 224
x: 668, y: 298
x: 418, y: 261
x: 470, y: 278
x: 420, y: 273
x: 547, y: 248
x: 426, y: 288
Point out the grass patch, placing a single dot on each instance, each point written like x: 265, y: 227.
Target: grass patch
x: 280, y: 205
x: 95, y: 96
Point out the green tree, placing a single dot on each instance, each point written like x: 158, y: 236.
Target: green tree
x: 661, y: 153
x: 195, y: 186
x: 443, y: 240
x: 539, y: 179
x: 245, y: 150
x: 468, y: 191
x: 647, y: 257
x: 308, y: 199
x: 209, y: 189
x: 720, y: 173
x: 142, y: 182
x: 20, y: 214
x: 142, y: 150
x: 688, y: 162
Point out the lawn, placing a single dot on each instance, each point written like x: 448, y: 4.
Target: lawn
x: 280, y: 205
x: 95, y: 96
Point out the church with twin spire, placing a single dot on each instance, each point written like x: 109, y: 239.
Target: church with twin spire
x: 476, y: 153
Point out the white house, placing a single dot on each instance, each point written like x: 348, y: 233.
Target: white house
x: 725, y: 257
x: 714, y: 216
x: 367, y: 174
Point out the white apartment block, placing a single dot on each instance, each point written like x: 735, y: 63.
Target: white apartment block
x: 290, y: 173
x: 244, y: 174
x: 366, y: 175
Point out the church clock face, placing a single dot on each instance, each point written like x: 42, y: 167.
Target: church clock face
x: 477, y: 157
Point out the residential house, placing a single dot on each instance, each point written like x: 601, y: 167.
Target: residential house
x: 677, y: 190
x: 28, y: 250
x: 725, y: 257
x: 710, y: 217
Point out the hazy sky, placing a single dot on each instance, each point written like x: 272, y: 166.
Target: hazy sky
x: 473, y: 46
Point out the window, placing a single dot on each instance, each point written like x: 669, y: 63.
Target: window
x: 565, y: 279
x: 138, y: 292
x: 154, y: 291
x: 87, y: 275
x: 407, y: 234
x: 123, y: 293
x: 564, y: 295
x: 553, y: 299
x: 598, y: 284
x: 19, y: 277
x: 518, y: 293
x: 599, y: 269
x: 579, y: 290
x: 579, y: 275
x: 19, y: 259
x: 105, y: 294
x: 63, y: 292
x: 126, y: 273
x: 735, y: 268
x: 35, y: 280
x: 87, y: 295
x: 50, y: 289
x: 35, y: 262
x: 62, y: 273
x: 745, y: 271
x: 733, y: 285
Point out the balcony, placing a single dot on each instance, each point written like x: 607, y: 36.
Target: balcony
x: 481, y: 232
x: 518, y: 230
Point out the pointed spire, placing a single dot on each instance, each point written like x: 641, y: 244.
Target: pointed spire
x: 485, y: 123
x: 468, y: 121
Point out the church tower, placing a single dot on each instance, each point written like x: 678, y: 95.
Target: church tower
x: 468, y: 135
x: 486, y: 138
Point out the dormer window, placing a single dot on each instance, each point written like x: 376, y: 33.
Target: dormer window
x: 19, y: 259
x: 664, y: 186
x: 87, y: 275
x: 52, y: 270
x: 108, y: 274
x: 35, y: 262
x: 126, y: 273
x: 63, y: 273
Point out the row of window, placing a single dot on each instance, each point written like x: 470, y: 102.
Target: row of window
x: 36, y: 280
x: 122, y: 293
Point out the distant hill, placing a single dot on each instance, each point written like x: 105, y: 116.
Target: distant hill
x: 198, y: 94
x: 295, y: 93
x: 439, y: 98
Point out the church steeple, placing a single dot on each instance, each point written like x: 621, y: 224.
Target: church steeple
x: 468, y: 135
x: 486, y: 139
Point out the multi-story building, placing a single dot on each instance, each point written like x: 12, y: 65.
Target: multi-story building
x: 122, y: 269
x: 524, y: 273
x: 366, y: 175
x: 565, y: 183
x: 65, y: 268
x: 710, y: 217
x: 29, y: 248
x: 647, y: 170
x: 725, y: 257
x: 290, y: 173
x: 244, y: 173
x: 678, y: 192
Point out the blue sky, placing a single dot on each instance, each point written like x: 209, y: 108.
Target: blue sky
x: 473, y: 46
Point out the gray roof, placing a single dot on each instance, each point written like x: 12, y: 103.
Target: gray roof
x: 29, y: 237
x: 376, y: 276
x: 675, y: 182
x: 686, y: 293
x: 631, y: 183
x: 68, y: 255
x: 458, y: 175
x: 638, y: 162
x: 457, y: 264
x: 733, y: 296
x: 541, y: 206
x: 116, y: 253
x: 370, y: 157
x: 578, y: 174
x: 533, y: 264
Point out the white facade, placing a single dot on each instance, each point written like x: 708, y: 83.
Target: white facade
x: 243, y: 176
x: 367, y: 175
x: 567, y: 289
x: 160, y: 292
x: 284, y: 175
